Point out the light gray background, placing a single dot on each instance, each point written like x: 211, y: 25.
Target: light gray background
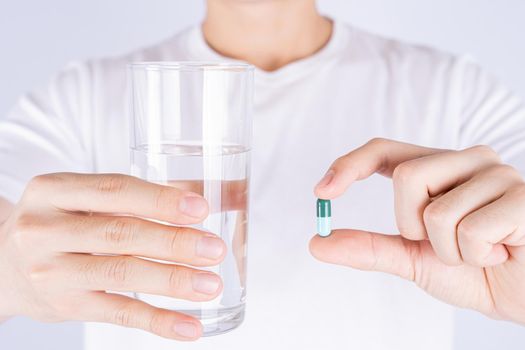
x: 38, y: 37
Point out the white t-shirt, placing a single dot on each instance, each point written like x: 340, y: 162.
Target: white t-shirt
x: 308, y: 113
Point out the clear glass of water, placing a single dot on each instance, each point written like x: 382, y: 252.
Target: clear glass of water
x: 191, y: 128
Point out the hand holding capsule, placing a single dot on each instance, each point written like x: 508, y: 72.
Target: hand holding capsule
x: 460, y: 220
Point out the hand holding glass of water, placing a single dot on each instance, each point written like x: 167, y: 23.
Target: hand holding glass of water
x: 191, y: 129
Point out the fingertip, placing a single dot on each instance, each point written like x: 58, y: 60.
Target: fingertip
x: 312, y: 245
x: 220, y: 288
x: 188, y: 329
x: 337, y: 186
x: 325, y: 188
x: 194, y: 206
x: 200, y: 332
x: 224, y: 253
x: 317, y: 192
x: 205, y: 286
x: 323, y: 193
x: 314, y: 251
x: 329, y: 192
x: 319, y: 246
x: 212, y: 248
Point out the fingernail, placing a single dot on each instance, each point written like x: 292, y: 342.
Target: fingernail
x: 325, y: 181
x: 210, y: 247
x: 186, y: 329
x: 206, y: 283
x: 193, y: 206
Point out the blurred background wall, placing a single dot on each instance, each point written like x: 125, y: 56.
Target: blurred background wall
x: 39, y: 37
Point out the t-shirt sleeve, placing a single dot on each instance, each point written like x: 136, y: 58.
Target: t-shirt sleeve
x: 46, y: 131
x: 492, y: 115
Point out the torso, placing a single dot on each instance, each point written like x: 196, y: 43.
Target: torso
x: 331, y: 105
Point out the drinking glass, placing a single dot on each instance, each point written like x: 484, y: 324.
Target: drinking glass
x: 191, y: 128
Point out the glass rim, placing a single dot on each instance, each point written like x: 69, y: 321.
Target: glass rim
x: 191, y: 66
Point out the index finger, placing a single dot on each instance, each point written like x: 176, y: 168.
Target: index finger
x: 118, y: 194
x: 234, y: 193
x: 378, y: 155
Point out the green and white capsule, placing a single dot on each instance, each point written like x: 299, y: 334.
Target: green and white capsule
x: 324, y: 216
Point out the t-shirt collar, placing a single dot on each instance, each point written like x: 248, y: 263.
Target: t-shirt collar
x: 199, y: 49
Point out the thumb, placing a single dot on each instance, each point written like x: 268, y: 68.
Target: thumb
x: 369, y: 251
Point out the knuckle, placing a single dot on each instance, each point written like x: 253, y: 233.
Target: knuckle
x: 81, y: 224
x: 45, y: 180
x: 486, y: 152
x: 157, y: 323
x: 377, y: 142
x: 165, y: 199
x: 123, y: 316
x: 437, y: 214
x: 519, y: 192
x: 25, y: 222
x: 26, y: 230
x: 178, y: 279
x: 113, y: 184
x: 405, y: 172
x: 118, y: 270
x: 39, y: 185
x: 87, y: 272
x: 340, y: 162
x: 179, y: 241
x: 120, y: 233
x: 38, y: 273
x: 504, y: 171
x: 39, y: 182
x: 467, y: 230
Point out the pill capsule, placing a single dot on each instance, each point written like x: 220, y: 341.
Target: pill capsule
x: 324, y: 215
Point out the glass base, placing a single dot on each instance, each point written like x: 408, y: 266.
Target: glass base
x: 219, y: 321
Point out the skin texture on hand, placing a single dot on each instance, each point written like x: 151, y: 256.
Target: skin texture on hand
x: 73, y: 237
x: 460, y: 220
